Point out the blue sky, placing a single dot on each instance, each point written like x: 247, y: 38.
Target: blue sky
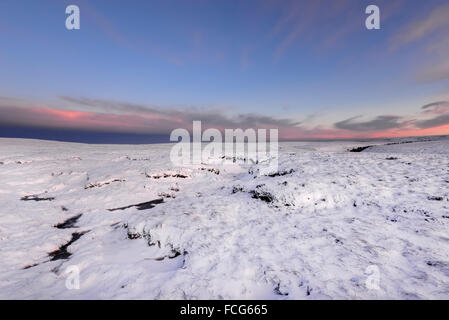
x: 310, y: 68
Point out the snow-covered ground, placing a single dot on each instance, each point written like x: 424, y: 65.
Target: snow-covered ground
x: 332, y: 224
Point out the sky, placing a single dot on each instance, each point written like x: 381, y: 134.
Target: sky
x: 136, y: 70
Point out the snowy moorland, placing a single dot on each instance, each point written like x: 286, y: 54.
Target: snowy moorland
x: 137, y: 227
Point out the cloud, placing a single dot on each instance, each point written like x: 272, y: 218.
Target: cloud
x: 9, y: 99
x: 395, y: 126
x: 378, y: 124
x: 434, y: 122
x: 436, y: 20
x: 431, y: 32
x: 182, y: 115
x: 435, y: 104
x: 341, y: 20
x: 297, y: 21
x: 104, y: 115
x: 45, y: 117
x: 438, y: 108
x: 435, y: 71
x: 98, y: 115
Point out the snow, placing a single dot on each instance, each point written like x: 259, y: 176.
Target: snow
x: 311, y: 231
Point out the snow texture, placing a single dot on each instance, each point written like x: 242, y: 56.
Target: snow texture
x: 139, y: 228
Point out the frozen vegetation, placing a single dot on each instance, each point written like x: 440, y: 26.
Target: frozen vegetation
x: 138, y: 227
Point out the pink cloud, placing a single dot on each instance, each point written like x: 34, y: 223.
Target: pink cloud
x: 129, y: 118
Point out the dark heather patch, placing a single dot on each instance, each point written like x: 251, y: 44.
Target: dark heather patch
x: 435, y: 198
x: 236, y: 189
x: 69, y: 223
x: 133, y: 235
x: 403, y: 142
x: 309, y: 290
x: 213, y: 170
x: 62, y: 252
x: 359, y: 149
x: 36, y: 198
x: 174, y: 254
x: 168, y: 175
x: 278, y: 291
x: 281, y: 173
x: 262, y: 195
x: 438, y: 264
x: 141, y: 206
x: 30, y: 266
x: 166, y: 195
x: 137, y: 159
x: 117, y: 225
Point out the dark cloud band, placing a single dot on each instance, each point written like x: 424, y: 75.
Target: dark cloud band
x: 379, y: 123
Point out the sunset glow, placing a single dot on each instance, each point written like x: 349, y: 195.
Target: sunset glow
x: 309, y: 68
